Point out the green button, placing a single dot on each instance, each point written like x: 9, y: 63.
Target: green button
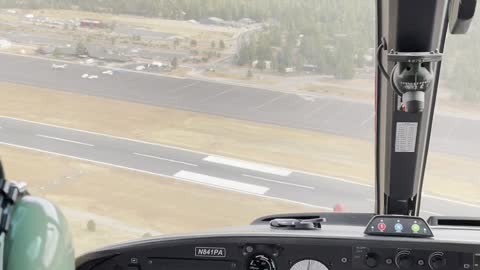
x: 415, y: 228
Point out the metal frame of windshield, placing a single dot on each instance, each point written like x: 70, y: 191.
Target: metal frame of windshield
x: 406, y: 26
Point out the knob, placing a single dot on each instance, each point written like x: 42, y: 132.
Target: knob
x: 437, y: 261
x: 404, y: 259
x: 371, y: 259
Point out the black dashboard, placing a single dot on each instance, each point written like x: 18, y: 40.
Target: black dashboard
x: 261, y: 247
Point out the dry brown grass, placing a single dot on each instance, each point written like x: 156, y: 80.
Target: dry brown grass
x: 181, y: 28
x: 297, y: 149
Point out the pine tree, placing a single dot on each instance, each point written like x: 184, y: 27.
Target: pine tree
x: 221, y: 44
x: 174, y: 63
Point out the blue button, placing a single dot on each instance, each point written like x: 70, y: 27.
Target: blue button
x: 398, y: 227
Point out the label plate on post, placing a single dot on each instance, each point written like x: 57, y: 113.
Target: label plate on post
x: 406, y: 137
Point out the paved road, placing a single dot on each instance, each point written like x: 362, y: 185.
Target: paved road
x: 201, y: 168
x: 451, y: 135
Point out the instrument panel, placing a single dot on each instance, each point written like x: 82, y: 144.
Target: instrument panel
x: 285, y: 252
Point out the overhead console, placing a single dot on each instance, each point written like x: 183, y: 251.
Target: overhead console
x: 262, y: 247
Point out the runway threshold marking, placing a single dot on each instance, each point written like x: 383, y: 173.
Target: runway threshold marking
x: 166, y: 159
x: 64, y: 140
x: 221, y: 182
x: 278, y: 182
x: 248, y: 165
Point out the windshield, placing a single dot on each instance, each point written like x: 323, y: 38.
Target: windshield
x: 145, y: 118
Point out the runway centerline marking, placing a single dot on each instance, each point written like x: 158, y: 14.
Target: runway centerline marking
x: 64, y: 140
x: 319, y: 108
x: 248, y: 165
x: 430, y: 212
x: 356, y: 182
x: 216, y: 95
x: 276, y: 181
x: 183, y: 87
x: 166, y: 159
x: 270, y: 101
x: 221, y: 182
x: 326, y: 177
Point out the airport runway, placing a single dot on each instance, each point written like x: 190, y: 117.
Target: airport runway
x: 205, y: 169
x: 452, y: 135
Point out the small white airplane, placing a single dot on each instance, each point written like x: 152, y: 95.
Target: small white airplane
x: 108, y: 72
x: 140, y: 68
x: 59, y: 66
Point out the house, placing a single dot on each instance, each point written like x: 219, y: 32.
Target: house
x: 310, y: 68
x: 290, y: 69
x: 46, y: 50
x: 214, y: 21
x: 267, y: 65
x: 101, y: 53
x: 246, y: 21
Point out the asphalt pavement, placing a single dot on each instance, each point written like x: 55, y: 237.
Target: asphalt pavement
x: 218, y: 172
x: 451, y: 135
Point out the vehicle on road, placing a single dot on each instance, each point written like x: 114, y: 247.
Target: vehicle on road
x: 140, y: 68
x: 85, y: 76
x: 108, y: 72
x: 59, y: 66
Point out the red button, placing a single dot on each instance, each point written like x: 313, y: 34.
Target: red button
x: 381, y: 226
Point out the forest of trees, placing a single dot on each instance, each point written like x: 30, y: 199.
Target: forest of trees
x: 329, y: 34
x: 459, y: 69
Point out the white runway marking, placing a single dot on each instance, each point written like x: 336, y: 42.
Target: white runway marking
x: 430, y: 213
x: 166, y: 159
x: 326, y: 177
x: 324, y: 208
x: 357, y: 182
x: 64, y: 140
x: 248, y: 165
x: 270, y: 101
x: 369, y: 118
x: 220, y: 182
x: 216, y: 95
x: 450, y: 200
x: 276, y: 181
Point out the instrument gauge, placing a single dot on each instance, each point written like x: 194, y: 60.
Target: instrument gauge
x: 261, y: 262
x: 309, y: 265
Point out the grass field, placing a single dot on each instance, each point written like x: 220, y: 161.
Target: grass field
x: 298, y: 149
x: 180, y: 28
x: 125, y: 205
